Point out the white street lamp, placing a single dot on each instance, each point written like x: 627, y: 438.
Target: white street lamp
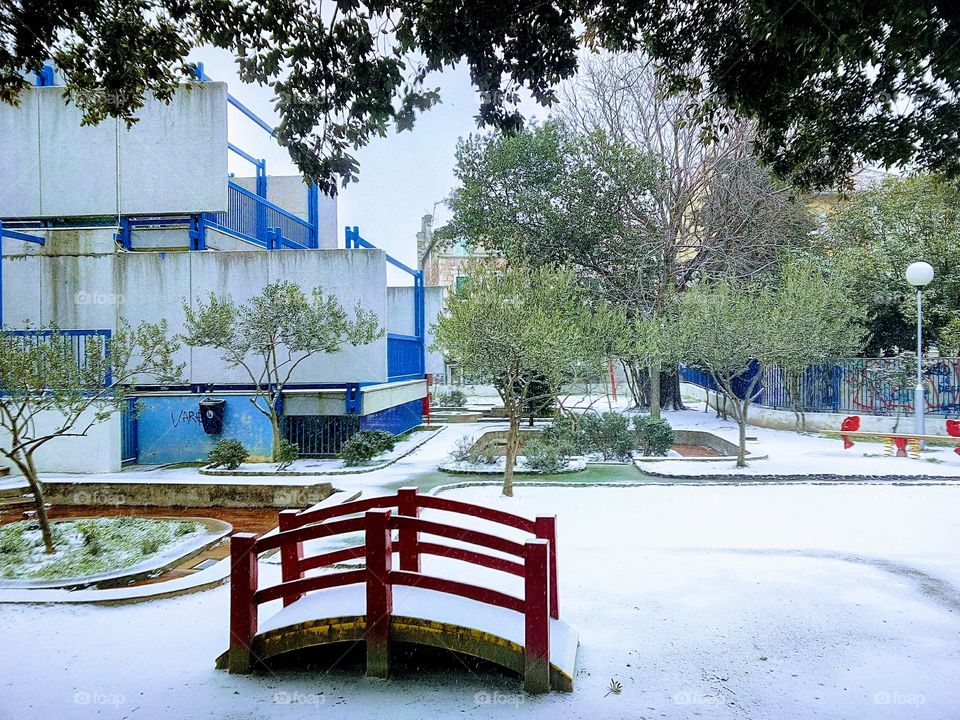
x: 919, y: 274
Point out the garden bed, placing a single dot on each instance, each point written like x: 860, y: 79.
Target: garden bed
x: 101, y: 550
x: 465, y: 467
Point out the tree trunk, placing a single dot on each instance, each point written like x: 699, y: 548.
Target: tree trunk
x: 277, y: 437
x: 513, y: 435
x: 670, y: 395
x: 36, y: 488
x: 655, y: 389
x: 742, y: 450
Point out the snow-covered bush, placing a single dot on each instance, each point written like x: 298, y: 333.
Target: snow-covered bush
x: 286, y: 454
x: 453, y: 398
x: 366, y: 445
x: 654, y: 435
x: 607, y: 434
x: 462, y: 448
x: 228, y: 453
x: 545, y: 456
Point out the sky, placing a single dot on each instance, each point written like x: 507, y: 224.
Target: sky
x: 402, y: 176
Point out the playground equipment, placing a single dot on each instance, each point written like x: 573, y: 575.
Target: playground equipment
x: 896, y: 443
x: 379, y: 604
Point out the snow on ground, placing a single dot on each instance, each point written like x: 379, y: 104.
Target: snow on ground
x: 771, y: 601
x: 790, y: 453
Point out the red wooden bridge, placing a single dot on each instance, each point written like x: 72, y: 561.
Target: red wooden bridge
x: 377, y: 603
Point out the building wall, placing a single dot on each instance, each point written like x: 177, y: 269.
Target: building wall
x: 94, y: 291
x: 98, y: 452
x: 173, y: 160
x: 400, y: 314
x: 169, y: 428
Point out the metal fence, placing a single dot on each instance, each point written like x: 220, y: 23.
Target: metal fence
x: 79, y: 340
x: 255, y: 220
x: 319, y: 435
x: 404, y: 357
x: 876, y: 386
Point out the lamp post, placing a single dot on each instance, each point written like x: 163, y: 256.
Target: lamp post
x: 919, y: 274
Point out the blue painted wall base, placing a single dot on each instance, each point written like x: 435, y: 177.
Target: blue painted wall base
x: 169, y: 428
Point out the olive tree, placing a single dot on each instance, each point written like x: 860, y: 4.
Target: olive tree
x: 510, y: 318
x: 48, y: 390
x: 270, y: 336
x: 735, y: 332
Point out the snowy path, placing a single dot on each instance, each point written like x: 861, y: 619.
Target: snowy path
x: 772, y: 602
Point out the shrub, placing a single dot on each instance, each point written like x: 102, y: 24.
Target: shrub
x: 286, y: 454
x: 462, y: 448
x: 227, y: 453
x: 654, y: 435
x: 545, y: 456
x: 150, y: 545
x: 486, y: 455
x: 366, y: 445
x: 608, y: 434
x: 451, y: 398
x: 567, y: 432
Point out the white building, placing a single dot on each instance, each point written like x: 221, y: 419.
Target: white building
x: 134, y: 223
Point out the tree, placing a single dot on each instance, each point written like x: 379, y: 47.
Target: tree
x: 511, y: 318
x: 736, y: 332
x: 48, y: 391
x: 634, y: 201
x: 817, y: 322
x: 827, y: 82
x: 272, y: 334
x: 877, y: 233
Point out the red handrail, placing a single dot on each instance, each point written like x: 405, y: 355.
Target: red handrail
x: 537, y: 568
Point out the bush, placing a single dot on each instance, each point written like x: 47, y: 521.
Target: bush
x: 545, y: 456
x: 286, y: 454
x: 452, y: 398
x: 366, y: 445
x: 227, y: 453
x: 462, y: 448
x: 486, y: 455
x: 654, y: 435
x: 566, y: 432
x: 608, y: 434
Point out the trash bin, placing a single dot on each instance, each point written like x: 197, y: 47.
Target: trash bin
x: 211, y: 415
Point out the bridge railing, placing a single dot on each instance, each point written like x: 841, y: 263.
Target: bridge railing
x: 377, y: 518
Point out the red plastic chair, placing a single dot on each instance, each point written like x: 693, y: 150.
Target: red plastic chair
x: 852, y: 424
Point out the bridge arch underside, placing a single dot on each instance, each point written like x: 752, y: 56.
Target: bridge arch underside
x: 275, y: 643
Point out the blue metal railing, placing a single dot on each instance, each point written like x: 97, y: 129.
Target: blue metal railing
x: 404, y: 359
x: 79, y: 346
x: 403, y: 366
x: 252, y: 218
x: 129, y: 445
x: 878, y: 386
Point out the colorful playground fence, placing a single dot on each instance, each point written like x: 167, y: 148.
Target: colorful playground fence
x: 875, y: 386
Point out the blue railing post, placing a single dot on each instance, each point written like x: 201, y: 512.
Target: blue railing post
x: 313, y: 214
x: 198, y: 232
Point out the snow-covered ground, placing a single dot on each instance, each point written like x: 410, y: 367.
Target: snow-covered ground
x: 774, y: 601
x: 790, y: 453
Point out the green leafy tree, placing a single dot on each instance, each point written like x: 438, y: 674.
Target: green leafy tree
x: 510, y: 318
x: 47, y: 392
x: 736, y: 332
x: 272, y: 334
x: 877, y: 234
x: 827, y: 82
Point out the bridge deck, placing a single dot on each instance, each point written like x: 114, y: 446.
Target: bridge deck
x: 419, y: 616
